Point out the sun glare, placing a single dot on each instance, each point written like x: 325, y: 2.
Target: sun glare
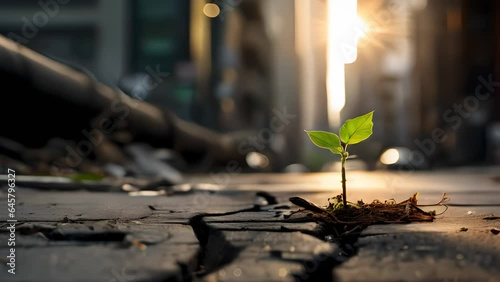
x: 345, y: 28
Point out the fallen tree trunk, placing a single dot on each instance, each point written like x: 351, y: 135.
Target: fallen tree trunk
x: 43, y: 99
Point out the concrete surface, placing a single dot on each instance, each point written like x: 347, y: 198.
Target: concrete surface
x: 228, y: 233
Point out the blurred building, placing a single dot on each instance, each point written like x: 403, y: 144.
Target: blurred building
x: 420, y: 65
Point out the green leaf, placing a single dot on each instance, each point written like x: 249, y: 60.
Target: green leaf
x: 86, y: 176
x: 357, y: 129
x: 326, y: 140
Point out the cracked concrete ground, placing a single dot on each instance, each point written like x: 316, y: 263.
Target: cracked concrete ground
x: 233, y: 234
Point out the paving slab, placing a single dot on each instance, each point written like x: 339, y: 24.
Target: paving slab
x: 459, y: 246
x: 273, y: 256
x: 423, y: 256
x: 44, y: 206
x: 103, y: 251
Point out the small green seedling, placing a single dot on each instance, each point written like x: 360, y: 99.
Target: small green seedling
x: 352, y: 132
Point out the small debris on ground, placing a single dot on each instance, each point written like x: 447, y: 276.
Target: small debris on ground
x: 491, y: 217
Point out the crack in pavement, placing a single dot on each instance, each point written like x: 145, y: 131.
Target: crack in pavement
x: 225, y: 251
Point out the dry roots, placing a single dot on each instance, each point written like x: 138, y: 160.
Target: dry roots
x: 367, y: 214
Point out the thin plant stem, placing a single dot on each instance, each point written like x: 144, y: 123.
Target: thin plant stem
x: 344, y: 189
